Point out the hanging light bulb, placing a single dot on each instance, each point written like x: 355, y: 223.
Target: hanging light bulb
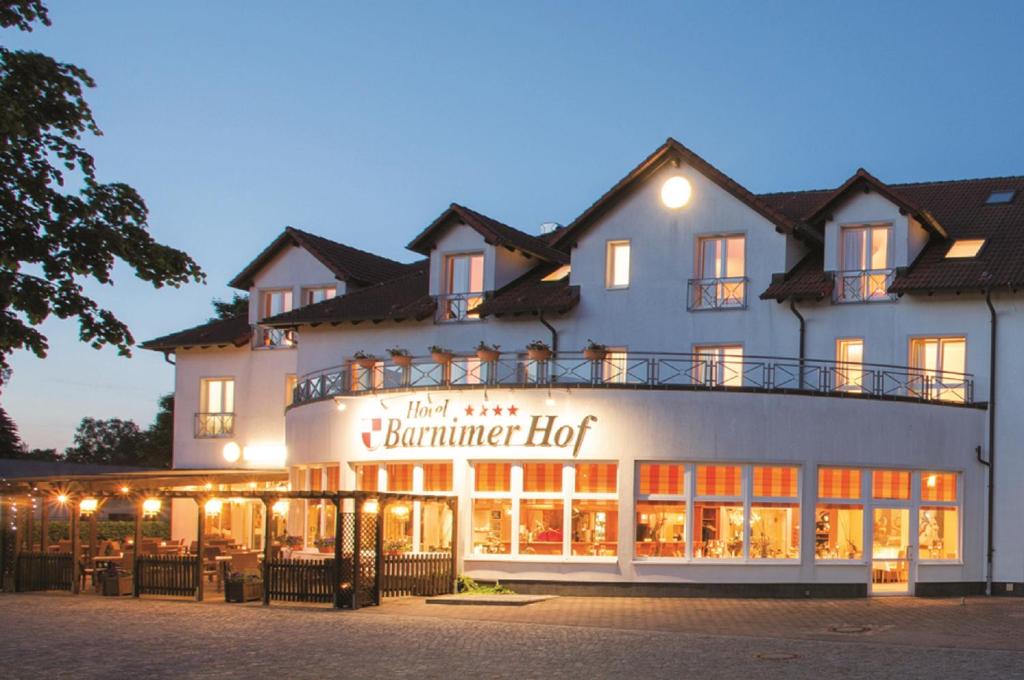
x: 88, y: 506
x: 151, y: 506
x: 214, y: 506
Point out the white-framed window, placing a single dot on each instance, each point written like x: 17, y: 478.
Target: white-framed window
x: 839, y: 515
x: 462, y: 286
x: 662, y: 495
x: 216, y: 417
x: 315, y: 294
x: 865, y: 260
x: 272, y: 303
x: 938, y: 367
x: 615, y: 367
x: 718, y: 365
x: 718, y: 512
x: 617, y: 264
x: 849, y: 371
x: 720, y: 281
x: 939, y: 516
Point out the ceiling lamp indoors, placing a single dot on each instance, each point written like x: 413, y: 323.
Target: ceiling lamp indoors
x: 371, y: 506
x: 280, y: 508
x: 214, y: 506
x: 675, y: 192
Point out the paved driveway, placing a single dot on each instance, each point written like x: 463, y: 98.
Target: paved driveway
x: 56, y: 635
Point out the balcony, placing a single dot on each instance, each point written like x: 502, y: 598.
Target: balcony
x: 649, y: 370
x: 866, y: 285
x: 214, y: 425
x: 455, y: 307
x: 720, y: 293
x: 272, y: 338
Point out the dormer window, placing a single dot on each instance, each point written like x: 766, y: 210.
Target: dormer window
x: 964, y: 248
x: 313, y: 295
x: 720, y: 268
x: 865, y: 257
x: 462, y: 287
x: 272, y: 303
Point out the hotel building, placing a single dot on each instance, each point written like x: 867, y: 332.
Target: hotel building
x: 690, y: 388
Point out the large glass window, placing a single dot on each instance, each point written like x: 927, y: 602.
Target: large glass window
x: 718, y: 512
x: 850, y: 365
x: 399, y: 477
x: 839, y: 515
x: 939, y: 517
x: 437, y: 477
x: 661, y: 523
x: 775, y: 521
x: 542, y: 477
x: 939, y: 365
x: 462, y: 287
x: 540, y: 523
x: 890, y: 484
x: 492, y: 526
x: 617, y: 264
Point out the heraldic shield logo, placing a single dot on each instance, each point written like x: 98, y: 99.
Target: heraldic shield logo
x: 373, y: 433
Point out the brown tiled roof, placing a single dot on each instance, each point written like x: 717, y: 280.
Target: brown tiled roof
x: 805, y: 281
x: 402, y: 298
x: 530, y: 294
x: 493, y: 231
x: 959, y: 207
x: 218, y: 333
x: 670, y: 151
x: 345, y: 262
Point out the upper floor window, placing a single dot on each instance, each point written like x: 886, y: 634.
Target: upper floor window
x: 849, y: 365
x: 311, y: 296
x: 938, y: 368
x: 462, y: 287
x: 721, y: 273
x: 718, y: 365
x: 272, y: 303
x: 865, y: 259
x: 617, y: 265
x: 216, y: 417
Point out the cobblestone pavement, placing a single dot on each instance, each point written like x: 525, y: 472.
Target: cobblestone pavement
x: 56, y: 635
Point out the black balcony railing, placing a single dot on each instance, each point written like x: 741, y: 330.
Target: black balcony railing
x: 272, y: 338
x: 457, y: 306
x: 651, y: 370
x: 869, y: 285
x: 215, y: 424
x: 720, y: 293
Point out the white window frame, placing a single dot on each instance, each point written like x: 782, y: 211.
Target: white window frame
x: 329, y: 292
x: 683, y: 498
x: 849, y: 375
x: 609, y: 265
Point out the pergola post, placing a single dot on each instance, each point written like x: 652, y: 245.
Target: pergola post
x: 357, y: 549
x: 453, y: 504
x: 93, y: 532
x: 268, y: 540
x: 336, y: 568
x: 139, y: 512
x: 76, y: 547
x: 378, y: 555
x: 200, y: 547
x: 30, y: 512
x: 44, y: 524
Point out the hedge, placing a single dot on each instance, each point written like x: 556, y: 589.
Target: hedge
x: 107, y: 530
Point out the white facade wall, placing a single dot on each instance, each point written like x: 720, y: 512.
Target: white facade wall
x: 293, y: 268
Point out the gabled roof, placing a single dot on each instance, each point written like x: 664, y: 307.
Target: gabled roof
x: 217, y: 333
x: 345, y: 262
x: 403, y: 298
x: 530, y: 294
x: 493, y: 231
x: 865, y: 181
x: 673, y: 151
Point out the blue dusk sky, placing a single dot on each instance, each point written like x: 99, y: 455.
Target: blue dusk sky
x: 363, y: 121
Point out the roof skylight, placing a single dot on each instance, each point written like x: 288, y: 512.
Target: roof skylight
x: 997, y: 197
x: 964, y: 248
x: 559, y: 274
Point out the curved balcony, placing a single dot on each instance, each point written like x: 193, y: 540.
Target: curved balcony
x: 644, y: 370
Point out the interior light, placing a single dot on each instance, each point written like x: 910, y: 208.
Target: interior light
x: 88, y: 506
x: 371, y: 506
x: 214, y: 506
x: 400, y: 510
x: 675, y: 192
x: 932, y: 481
x: 125, y: 489
x: 280, y: 508
x: 151, y: 506
x: 232, y: 452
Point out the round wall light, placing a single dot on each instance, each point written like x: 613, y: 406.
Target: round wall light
x: 232, y: 452
x: 675, y: 192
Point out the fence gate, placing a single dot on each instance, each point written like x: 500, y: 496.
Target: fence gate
x: 165, y: 575
x: 42, y: 571
x: 421, y: 574
x: 293, y: 580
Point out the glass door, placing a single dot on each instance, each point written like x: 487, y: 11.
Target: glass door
x: 891, y: 552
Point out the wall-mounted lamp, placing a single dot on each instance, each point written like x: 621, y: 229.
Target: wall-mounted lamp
x: 340, y: 404
x: 232, y: 452
x: 675, y: 192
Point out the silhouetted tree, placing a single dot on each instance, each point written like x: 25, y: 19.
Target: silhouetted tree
x: 227, y: 309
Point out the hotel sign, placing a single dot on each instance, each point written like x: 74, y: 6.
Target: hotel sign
x: 441, y: 425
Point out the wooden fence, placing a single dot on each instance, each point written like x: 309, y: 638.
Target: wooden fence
x: 300, y: 580
x: 165, y: 575
x: 42, y: 571
x: 422, y: 574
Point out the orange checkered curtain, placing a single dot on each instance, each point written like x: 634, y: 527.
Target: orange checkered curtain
x: 399, y: 476
x: 333, y: 478
x: 775, y: 482
x: 366, y: 478
x: 596, y: 477
x: 893, y: 484
x: 661, y: 478
x: 938, y: 486
x: 540, y: 477
x: 437, y: 476
x: 493, y: 476
x: 719, y: 480
x: 838, y: 483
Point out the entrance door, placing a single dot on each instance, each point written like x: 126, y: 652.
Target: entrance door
x: 891, y: 552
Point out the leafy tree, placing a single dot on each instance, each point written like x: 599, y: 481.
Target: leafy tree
x: 107, y: 442
x: 51, y: 238
x: 160, y: 435
x: 228, y: 309
x: 11, y: 445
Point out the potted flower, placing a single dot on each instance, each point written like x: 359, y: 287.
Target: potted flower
x: 400, y: 356
x: 594, y: 351
x: 243, y: 587
x: 364, y: 360
x: 538, y: 350
x: 293, y: 543
x: 326, y: 545
x: 396, y: 546
x: 488, y: 353
x: 441, y: 355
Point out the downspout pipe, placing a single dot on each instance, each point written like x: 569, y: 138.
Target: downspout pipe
x: 554, y: 333
x: 991, y: 440
x: 803, y: 337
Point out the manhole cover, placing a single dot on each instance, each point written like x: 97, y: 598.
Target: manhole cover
x: 777, y: 656
x: 850, y: 629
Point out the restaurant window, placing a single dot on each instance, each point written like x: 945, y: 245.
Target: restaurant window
x: 617, y: 265
x: 399, y: 477
x: 890, y: 484
x: 865, y: 264
x: 290, y: 382
x: 493, y: 477
x: 462, y: 288
x: 492, y: 532
x: 660, y: 524
x: 435, y: 526
x: 217, y: 408
x: 541, y: 526
x: 398, y: 522
x: 718, y: 365
x: 939, y: 517
x: 938, y: 368
x: 720, y: 268
x: 313, y: 295
x: 437, y: 477
x: 366, y: 477
x: 849, y: 365
x: 595, y: 519
x: 718, y: 513
x: 774, y: 520
x: 542, y: 477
